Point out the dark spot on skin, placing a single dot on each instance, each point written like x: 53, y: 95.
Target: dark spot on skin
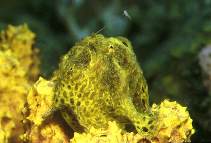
x: 143, y: 102
x: 144, y: 141
x: 84, y: 58
x: 92, y: 95
x: 92, y: 47
x: 130, y: 127
x: 6, y: 74
x: 150, y: 121
x: 142, y: 88
x: 13, y: 66
x: 76, y: 87
x: 83, y: 86
x: 71, y: 101
x: 111, y: 109
x: 88, y: 121
x: 74, y: 120
x: 188, y: 133
x: 151, y: 127
x: 125, y: 44
x: 69, y: 87
x: 86, y: 94
x: 5, y: 121
x: 79, y: 95
x: 179, y: 126
x: 118, y: 103
x: 86, y: 102
x: 111, y: 79
x: 136, y: 95
x: 125, y: 61
x: 70, y: 94
x: 144, y: 129
x: 97, y: 119
x: 65, y: 94
x: 62, y: 100
x: 69, y: 72
x: 78, y: 103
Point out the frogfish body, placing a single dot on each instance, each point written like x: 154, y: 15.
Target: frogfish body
x: 100, y: 80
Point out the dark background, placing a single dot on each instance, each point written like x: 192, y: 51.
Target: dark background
x: 167, y: 37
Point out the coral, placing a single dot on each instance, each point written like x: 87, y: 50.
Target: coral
x: 173, y: 125
x: 13, y: 85
x: 173, y: 122
x: 3, y: 137
x: 113, y: 134
x: 19, y: 39
x: 40, y: 101
x: 15, y: 53
x: 100, y: 78
x: 50, y: 132
x: 39, y: 106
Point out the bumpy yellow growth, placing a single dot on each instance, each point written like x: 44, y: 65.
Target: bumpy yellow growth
x: 173, y: 123
x: 19, y: 40
x: 51, y: 132
x: 16, y: 74
x: 100, y: 80
x: 13, y: 91
x: 39, y: 106
x: 40, y: 101
x: 113, y: 134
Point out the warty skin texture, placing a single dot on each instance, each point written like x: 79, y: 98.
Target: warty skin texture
x: 100, y: 80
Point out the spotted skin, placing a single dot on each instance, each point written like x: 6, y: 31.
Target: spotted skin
x: 100, y: 80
